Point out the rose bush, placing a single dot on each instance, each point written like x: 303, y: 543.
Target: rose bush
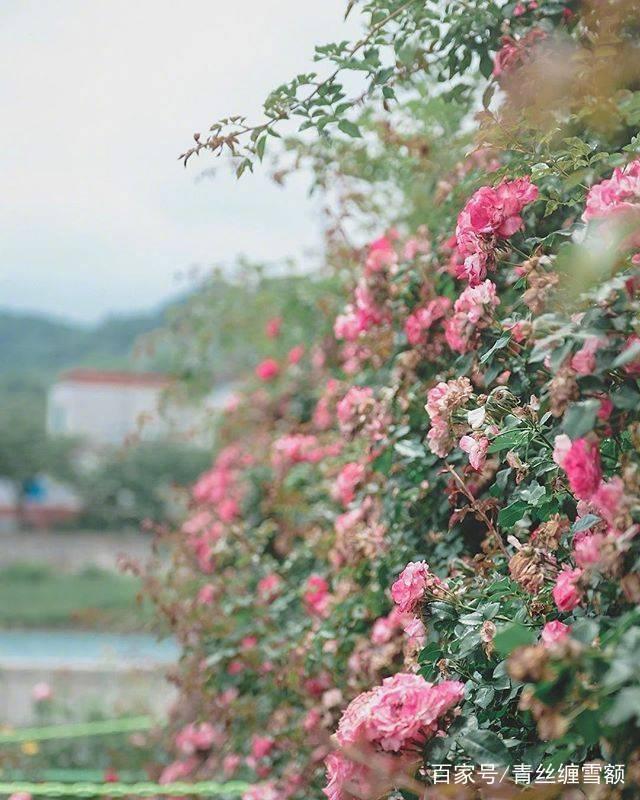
x: 418, y: 542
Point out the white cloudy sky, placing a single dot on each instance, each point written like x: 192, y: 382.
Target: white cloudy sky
x: 98, y: 97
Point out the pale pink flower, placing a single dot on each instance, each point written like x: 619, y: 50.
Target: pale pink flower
x: 230, y: 764
x: 178, y: 770
x: 381, y: 253
x: 561, y: 446
x: 400, y: 714
x: 554, y: 632
x: 269, y: 587
x: 41, y: 692
x: 196, y: 737
x: 295, y: 355
x: 608, y: 499
x: 415, y: 631
x: 206, y: 595
x: 476, y: 446
x: 586, y: 548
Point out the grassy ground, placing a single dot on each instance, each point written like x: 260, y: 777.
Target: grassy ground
x: 34, y: 596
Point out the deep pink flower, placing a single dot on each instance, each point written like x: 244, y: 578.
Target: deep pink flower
x: 566, y: 593
x: 492, y: 213
x: 261, y: 746
x: 381, y: 253
x: 272, y: 328
x: 632, y: 368
x: 582, y: 465
x: 268, y: 369
x: 316, y: 595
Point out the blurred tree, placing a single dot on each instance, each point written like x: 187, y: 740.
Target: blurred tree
x: 25, y: 448
x: 139, y: 483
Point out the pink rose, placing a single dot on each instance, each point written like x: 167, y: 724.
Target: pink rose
x: 272, y: 328
x: 347, y: 481
x: 412, y: 584
x: 566, y: 592
x: 554, y: 633
x: 476, y: 446
x: 268, y: 369
x: 582, y: 465
x: 261, y: 746
x: 41, y: 692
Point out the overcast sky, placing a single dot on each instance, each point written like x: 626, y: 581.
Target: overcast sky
x: 98, y: 98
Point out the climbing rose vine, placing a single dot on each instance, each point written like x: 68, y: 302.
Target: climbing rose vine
x: 418, y: 543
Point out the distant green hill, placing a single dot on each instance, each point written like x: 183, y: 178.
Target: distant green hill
x: 40, y: 346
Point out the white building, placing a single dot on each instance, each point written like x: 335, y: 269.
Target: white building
x: 108, y: 408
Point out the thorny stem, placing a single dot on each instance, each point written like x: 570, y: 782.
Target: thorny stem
x: 478, y: 510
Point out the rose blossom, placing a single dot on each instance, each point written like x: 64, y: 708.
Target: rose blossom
x: 554, y: 633
x: 268, y: 369
x: 566, y: 593
x: 412, y: 584
x: 584, y: 361
x: 400, y: 714
x: 582, y: 465
x: 476, y: 446
x: 41, y: 692
x: 316, y: 595
x: 346, y: 482
x: 492, y: 213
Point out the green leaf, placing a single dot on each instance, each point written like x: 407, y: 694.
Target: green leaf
x: 625, y: 706
x: 584, y: 523
x: 627, y: 355
x: 512, y: 636
x: 485, y: 747
x: 581, y: 418
x: 350, y: 128
x: 514, y: 512
x: 508, y: 441
x: 502, y: 342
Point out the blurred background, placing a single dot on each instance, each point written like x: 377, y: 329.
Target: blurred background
x: 105, y: 241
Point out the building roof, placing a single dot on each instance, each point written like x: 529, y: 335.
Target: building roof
x: 115, y: 377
